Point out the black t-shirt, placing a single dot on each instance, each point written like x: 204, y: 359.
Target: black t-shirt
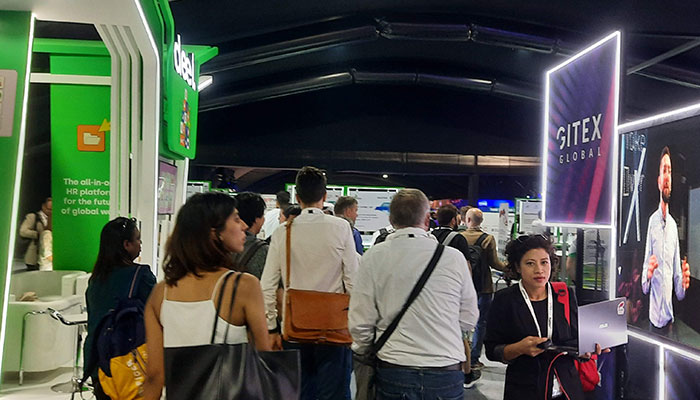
x: 540, y: 308
x: 459, y: 242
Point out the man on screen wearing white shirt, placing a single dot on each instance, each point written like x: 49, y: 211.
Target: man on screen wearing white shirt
x: 663, y: 268
x: 323, y: 259
x: 423, y: 356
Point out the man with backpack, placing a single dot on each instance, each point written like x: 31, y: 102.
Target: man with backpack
x: 483, y: 256
x: 251, y: 209
x: 447, y: 234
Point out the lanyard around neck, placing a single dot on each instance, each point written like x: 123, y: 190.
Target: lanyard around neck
x: 550, y: 314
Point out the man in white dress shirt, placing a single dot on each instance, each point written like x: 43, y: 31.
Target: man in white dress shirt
x: 323, y: 258
x: 663, y: 269
x: 423, y: 357
x: 272, y: 216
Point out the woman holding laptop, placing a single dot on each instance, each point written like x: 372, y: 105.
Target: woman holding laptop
x: 528, y: 317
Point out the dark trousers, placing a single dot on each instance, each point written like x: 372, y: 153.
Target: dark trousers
x: 325, y: 371
x: 485, y: 300
x: 419, y: 384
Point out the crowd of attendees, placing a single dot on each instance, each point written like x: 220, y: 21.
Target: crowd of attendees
x: 433, y: 350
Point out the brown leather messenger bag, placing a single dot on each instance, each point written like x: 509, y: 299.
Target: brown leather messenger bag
x: 312, y: 316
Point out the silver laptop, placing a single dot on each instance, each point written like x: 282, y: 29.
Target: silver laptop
x: 604, y: 323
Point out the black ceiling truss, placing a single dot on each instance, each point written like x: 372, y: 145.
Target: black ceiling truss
x: 386, y: 29
x: 353, y: 76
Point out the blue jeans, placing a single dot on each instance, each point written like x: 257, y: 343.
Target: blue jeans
x: 325, y: 371
x: 485, y: 300
x: 419, y: 384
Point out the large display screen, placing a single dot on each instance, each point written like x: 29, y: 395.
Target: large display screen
x: 580, y: 137
x: 659, y: 229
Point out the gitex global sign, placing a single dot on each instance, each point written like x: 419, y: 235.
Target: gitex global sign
x: 580, y: 137
x: 184, y: 65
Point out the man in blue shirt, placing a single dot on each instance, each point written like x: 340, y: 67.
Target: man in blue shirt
x: 663, y: 268
x: 346, y: 207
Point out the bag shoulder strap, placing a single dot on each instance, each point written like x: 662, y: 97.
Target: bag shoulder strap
x: 289, y: 252
x: 134, y: 280
x: 481, y: 239
x: 563, y: 297
x: 233, y: 297
x: 411, y: 297
x: 248, y: 254
x: 450, y: 236
x: 218, y: 304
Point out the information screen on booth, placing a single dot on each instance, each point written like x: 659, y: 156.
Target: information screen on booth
x: 659, y: 229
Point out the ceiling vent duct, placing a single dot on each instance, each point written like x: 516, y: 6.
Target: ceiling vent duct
x: 511, y: 89
x: 285, y: 89
x: 498, y: 37
x: 415, y: 31
x: 290, y: 48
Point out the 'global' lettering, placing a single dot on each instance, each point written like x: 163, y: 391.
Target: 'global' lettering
x: 184, y: 65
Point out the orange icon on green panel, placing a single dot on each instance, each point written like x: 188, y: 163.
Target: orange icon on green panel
x: 91, y: 138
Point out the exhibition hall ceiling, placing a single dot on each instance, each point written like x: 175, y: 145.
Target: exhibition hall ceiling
x: 456, y: 77
x: 343, y: 83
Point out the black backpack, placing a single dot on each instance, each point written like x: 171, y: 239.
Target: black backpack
x: 478, y: 262
x: 383, y: 233
x: 119, y: 352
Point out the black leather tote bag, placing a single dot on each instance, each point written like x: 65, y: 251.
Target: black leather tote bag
x: 219, y: 371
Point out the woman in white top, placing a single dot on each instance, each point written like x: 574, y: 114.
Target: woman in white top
x: 182, y: 309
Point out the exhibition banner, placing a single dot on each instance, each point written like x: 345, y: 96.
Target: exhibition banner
x: 580, y: 137
x: 372, y: 206
x: 80, y: 163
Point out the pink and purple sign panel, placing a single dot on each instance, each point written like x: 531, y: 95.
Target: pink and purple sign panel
x: 581, y: 135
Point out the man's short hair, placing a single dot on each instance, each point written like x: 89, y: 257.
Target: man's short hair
x: 342, y: 204
x: 291, y: 210
x: 283, y: 198
x: 463, y: 212
x: 446, y: 214
x: 251, y: 206
x: 46, y: 200
x: 310, y: 185
x: 664, y: 152
x: 476, y: 215
x: 408, y: 208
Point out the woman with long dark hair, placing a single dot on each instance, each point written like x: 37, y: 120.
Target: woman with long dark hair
x: 182, y: 309
x: 112, y: 276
